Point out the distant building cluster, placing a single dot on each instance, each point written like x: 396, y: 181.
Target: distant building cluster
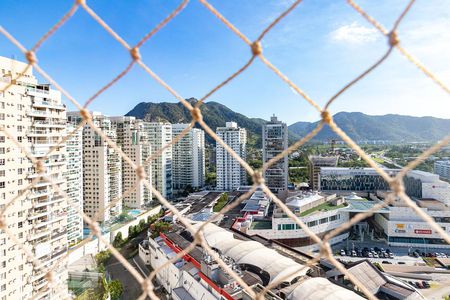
x: 442, y: 168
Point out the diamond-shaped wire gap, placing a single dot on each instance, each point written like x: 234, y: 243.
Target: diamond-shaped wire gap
x: 398, y: 45
x: 190, y: 67
x: 394, y: 87
x: 241, y: 93
x: 83, y: 40
x: 135, y: 23
x: 256, y: 49
x: 41, y: 17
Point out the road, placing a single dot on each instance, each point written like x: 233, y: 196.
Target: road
x: 115, y: 269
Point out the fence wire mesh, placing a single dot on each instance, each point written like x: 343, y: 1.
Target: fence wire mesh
x: 256, y: 52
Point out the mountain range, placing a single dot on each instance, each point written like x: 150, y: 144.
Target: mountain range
x: 359, y: 126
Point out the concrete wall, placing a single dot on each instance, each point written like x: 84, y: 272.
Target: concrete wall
x: 93, y: 247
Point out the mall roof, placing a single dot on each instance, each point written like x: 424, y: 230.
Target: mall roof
x: 303, y: 199
x: 363, y: 206
x: 321, y: 288
x: 252, y: 253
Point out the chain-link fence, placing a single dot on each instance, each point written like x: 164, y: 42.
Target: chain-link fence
x: 256, y: 52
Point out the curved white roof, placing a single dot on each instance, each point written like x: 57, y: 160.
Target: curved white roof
x: 321, y: 288
x: 252, y: 253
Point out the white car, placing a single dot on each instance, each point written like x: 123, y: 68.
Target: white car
x: 342, y: 252
x: 370, y: 254
x: 375, y: 255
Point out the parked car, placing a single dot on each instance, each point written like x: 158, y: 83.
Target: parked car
x: 353, y: 253
x: 419, y: 285
x: 443, y: 255
x: 425, y: 284
x: 411, y: 283
x: 391, y: 255
x: 370, y: 254
x: 416, y: 254
x: 342, y: 252
x: 375, y: 255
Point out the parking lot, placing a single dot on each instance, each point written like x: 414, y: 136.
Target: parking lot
x: 400, y: 255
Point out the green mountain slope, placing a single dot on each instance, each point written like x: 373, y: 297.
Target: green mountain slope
x: 390, y: 127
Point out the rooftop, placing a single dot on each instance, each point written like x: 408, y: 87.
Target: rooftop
x: 261, y: 224
x: 327, y: 206
x: 363, y: 206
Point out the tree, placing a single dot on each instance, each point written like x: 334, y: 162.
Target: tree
x: 131, y: 232
x: 142, y: 225
x: 159, y: 227
x: 118, y: 240
x: 115, y: 289
x: 102, y: 257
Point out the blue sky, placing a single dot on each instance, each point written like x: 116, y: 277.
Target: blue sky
x: 321, y: 46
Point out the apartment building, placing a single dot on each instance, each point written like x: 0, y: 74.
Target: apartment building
x: 188, y: 158
x: 74, y: 178
x: 35, y: 117
x: 275, y: 141
x: 102, y: 169
x: 159, y: 135
x: 230, y: 174
x: 134, y: 142
x: 442, y: 168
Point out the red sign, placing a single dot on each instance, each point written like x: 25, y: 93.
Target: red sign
x: 422, y: 231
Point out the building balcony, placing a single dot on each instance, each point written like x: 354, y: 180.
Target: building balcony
x: 48, y: 104
x: 49, y: 124
x: 38, y: 193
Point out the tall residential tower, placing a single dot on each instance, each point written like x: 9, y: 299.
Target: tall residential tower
x: 188, y: 158
x: 159, y: 135
x: 275, y: 141
x: 134, y: 142
x: 230, y: 173
x: 37, y: 217
x: 102, y: 169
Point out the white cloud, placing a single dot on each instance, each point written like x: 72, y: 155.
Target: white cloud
x: 355, y: 34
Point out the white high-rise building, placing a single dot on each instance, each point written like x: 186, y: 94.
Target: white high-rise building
x: 34, y: 115
x: 102, y: 169
x: 74, y: 178
x: 188, y: 158
x: 442, y: 168
x: 275, y: 141
x: 230, y: 173
x: 160, y: 134
x: 134, y: 142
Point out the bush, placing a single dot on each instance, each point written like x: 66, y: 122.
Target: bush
x: 115, y: 289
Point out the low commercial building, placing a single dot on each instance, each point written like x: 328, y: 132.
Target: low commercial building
x: 320, y: 212
x: 418, y: 184
x: 403, y: 227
